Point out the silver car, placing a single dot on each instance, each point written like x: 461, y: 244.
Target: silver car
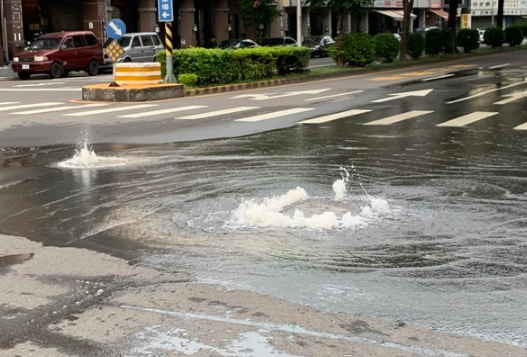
x: 138, y: 47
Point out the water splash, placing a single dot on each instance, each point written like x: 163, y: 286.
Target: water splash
x: 276, y: 211
x: 85, y: 158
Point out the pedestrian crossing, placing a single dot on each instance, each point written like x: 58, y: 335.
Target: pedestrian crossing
x: 197, y: 112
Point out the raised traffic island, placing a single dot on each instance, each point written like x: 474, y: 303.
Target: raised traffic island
x: 134, y: 82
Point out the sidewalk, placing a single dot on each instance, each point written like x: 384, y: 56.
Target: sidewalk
x: 6, y: 73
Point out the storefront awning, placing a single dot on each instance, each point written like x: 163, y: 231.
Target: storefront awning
x: 395, y: 14
x: 440, y: 13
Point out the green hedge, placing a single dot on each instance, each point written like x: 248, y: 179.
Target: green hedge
x: 513, y: 36
x: 494, y: 37
x: 358, y: 49
x: 468, y: 39
x: 386, y: 46
x: 217, y: 66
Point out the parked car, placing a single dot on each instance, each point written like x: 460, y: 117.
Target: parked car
x: 237, y: 43
x: 138, y: 47
x: 318, y: 45
x: 59, y: 53
x: 279, y: 41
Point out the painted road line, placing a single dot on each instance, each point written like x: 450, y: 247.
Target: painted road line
x: 467, y: 119
x: 399, y: 117
x: 273, y: 115
x: 500, y: 66
x: 7, y: 103
x: 334, y: 95
x: 521, y: 127
x: 438, y: 77
x: 24, y: 106
x: 162, y: 111
x: 110, y: 110
x: 326, y: 118
x: 57, y: 109
x: 217, y: 112
x: 486, y: 92
x: 41, y: 89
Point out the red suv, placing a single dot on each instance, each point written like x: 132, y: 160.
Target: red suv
x: 59, y: 53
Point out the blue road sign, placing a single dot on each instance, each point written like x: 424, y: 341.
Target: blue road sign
x: 115, y: 28
x: 165, y: 11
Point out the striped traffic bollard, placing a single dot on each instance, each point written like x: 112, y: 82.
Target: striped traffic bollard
x: 169, y: 78
x: 138, y: 73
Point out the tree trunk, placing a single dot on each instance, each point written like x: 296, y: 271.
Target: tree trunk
x: 452, y: 18
x: 408, y: 6
x: 340, y: 40
x: 499, y: 17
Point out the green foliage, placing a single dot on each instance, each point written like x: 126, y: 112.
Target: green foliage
x: 188, y: 79
x: 468, y: 39
x: 386, y: 46
x: 216, y: 66
x: 416, y: 45
x: 259, y: 14
x: 494, y: 37
x: 433, y: 42
x: 358, y: 49
x: 523, y: 26
x: 513, y: 36
x: 447, y: 41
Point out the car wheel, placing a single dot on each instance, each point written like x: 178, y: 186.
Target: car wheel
x: 93, y: 68
x: 127, y: 59
x: 23, y: 75
x: 65, y: 74
x: 56, y: 70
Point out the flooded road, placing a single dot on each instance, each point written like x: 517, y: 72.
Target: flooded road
x: 411, y: 224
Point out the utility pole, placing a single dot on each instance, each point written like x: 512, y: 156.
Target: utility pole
x: 299, y: 22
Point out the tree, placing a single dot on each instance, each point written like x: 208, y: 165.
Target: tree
x: 408, y: 6
x: 499, y: 17
x: 341, y: 7
x: 258, y: 14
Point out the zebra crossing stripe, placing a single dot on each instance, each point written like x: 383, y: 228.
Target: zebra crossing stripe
x: 335, y: 116
x: 217, y: 112
x: 273, y: 115
x: 162, y: 111
x: 467, y: 119
x: 57, y: 109
x: 7, y: 103
x: 521, y: 127
x: 110, y: 110
x: 46, y: 104
x: 399, y: 117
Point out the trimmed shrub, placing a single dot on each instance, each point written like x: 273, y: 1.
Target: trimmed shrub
x: 513, y: 36
x: 468, y: 39
x: 188, y: 79
x: 386, y: 47
x: 494, y: 37
x: 447, y: 41
x: 523, y: 26
x: 433, y: 42
x: 358, y: 49
x: 416, y: 45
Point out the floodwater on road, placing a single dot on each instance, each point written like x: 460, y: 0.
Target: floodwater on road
x: 427, y: 227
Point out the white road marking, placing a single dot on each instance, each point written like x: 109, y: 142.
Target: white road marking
x: 486, y: 92
x: 438, y: 77
x: 41, y: 89
x: 467, y: 119
x: 417, y: 93
x: 46, y: 104
x: 500, y: 66
x: 217, y: 112
x: 400, y: 117
x: 273, y: 115
x: 110, y: 110
x: 7, y: 103
x: 162, y: 111
x: 57, y: 109
x: 334, y: 95
x: 521, y: 127
x: 512, y: 97
x: 288, y: 94
x: 38, y: 84
x: 335, y: 116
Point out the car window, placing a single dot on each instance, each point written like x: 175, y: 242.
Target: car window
x: 147, y: 40
x: 46, y: 43
x: 124, y: 41
x: 79, y: 41
x: 157, y: 41
x: 68, y: 43
x: 136, y: 42
x: 91, y: 40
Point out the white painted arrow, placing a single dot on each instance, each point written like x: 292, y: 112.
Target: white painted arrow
x: 271, y: 96
x: 512, y: 97
x: 165, y: 14
x: 116, y: 28
x: 417, y: 93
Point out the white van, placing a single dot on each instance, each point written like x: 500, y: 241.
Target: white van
x: 138, y: 47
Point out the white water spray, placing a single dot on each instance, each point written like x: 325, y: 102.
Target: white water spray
x: 85, y: 158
